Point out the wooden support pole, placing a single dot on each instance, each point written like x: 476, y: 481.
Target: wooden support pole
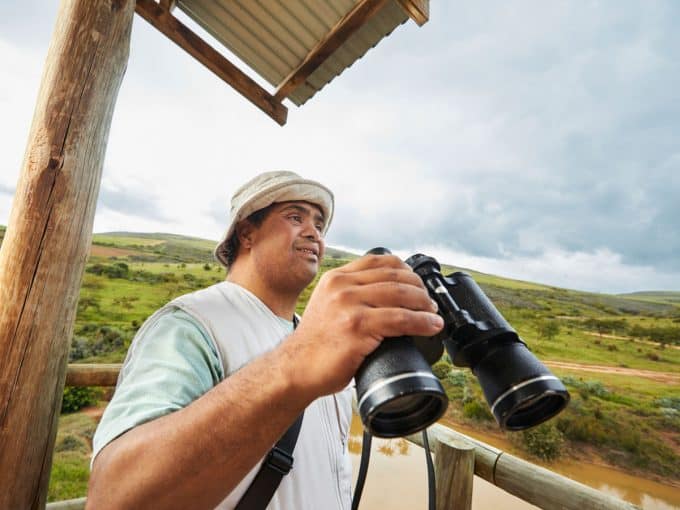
x: 454, y: 472
x: 49, y: 233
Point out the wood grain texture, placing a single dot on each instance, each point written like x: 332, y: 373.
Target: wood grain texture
x: 181, y: 35
x: 49, y: 233
x: 455, y: 469
x: 418, y: 10
x: 92, y: 374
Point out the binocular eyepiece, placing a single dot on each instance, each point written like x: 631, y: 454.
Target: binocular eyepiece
x: 399, y: 395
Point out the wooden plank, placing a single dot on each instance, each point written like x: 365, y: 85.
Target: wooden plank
x: 168, y: 5
x: 418, y: 10
x: 527, y: 481
x: 455, y: 469
x: 68, y: 504
x: 362, y: 12
x: 43, y: 255
x: 181, y: 35
x: 86, y: 374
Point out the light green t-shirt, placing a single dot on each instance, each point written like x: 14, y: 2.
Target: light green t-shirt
x: 174, y: 364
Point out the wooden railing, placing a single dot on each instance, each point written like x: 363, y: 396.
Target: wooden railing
x: 457, y: 458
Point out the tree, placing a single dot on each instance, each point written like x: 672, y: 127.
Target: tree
x: 548, y: 329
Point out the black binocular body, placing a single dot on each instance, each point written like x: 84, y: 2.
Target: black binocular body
x: 399, y: 395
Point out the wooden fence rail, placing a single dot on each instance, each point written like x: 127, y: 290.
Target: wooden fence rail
x: 457, y: 457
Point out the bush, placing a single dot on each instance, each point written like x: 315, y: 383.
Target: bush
x: 668, y: 402
x: 477, y: 410
x: 77, y: 398
x: 441, y: 369
x: 548, y: 329
x: 544, y: 441
x: 70, y: 443
x: 457, y: 378
x: 95, y: 340
x: 116, y: 270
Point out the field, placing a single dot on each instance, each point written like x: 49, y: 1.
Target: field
x: 621, y: 416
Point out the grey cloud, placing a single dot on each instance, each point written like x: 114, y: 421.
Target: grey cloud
x: 579, y: 116
x: 131, y: 203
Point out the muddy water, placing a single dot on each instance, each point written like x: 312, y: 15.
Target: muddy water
x: 397, y: 478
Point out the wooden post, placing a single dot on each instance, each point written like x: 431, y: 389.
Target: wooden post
x: 50, y: 228
x: 531, y: 483
x: 454, y: 471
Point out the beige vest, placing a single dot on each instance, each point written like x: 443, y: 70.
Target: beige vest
x: 242, y: 328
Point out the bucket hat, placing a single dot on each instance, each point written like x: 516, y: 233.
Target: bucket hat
x: 269, y: 188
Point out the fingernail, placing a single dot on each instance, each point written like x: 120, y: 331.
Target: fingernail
x: 436, y: 320
x: 435, y: 307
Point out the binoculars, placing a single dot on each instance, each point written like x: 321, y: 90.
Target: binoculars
x: 399, y: 395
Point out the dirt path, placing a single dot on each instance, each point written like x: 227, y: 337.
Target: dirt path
x: 636, y: 340
x: 664, y: 377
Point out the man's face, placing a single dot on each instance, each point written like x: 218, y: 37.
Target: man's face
x: 289, y: 245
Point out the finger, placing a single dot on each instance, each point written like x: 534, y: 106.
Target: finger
x: 384, y: 274
x: 394, y: 295
x: 389, y: 322
x: 374, y: 261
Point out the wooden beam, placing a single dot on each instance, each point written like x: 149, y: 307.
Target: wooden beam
x: 88, y: 374
x: 181, y: 35
x: 43, y: 255
x: 418, y: 10
x: 169, y: 5
x: 529, y: 482
x: 362, y: 12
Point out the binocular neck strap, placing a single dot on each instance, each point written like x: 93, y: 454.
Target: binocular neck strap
x: 276, y: 465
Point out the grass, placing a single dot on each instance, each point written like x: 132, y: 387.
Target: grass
x: 71, y: 460
x: 621, y: 416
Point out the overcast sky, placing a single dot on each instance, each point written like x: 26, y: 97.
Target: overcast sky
x: 535, y: 140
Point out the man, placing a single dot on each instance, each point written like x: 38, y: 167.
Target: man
x: 216, y: 377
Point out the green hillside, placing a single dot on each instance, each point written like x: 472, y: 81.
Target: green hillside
x: 628, y: 419
x: 669, y: 297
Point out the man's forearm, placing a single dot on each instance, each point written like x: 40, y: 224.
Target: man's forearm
x: 194, y: 457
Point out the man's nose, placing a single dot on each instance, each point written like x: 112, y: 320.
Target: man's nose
x: 311, y: 232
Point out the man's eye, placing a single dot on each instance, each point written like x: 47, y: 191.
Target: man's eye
x: 296, y: 217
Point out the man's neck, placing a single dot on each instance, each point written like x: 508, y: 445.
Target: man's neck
x: 282, y: 304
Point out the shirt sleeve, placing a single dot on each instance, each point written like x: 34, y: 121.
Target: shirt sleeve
x: 173, y: 364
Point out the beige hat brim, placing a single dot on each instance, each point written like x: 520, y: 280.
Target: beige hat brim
x: 290, y: 189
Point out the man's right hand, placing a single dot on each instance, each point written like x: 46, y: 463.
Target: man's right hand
x: 352, y: 309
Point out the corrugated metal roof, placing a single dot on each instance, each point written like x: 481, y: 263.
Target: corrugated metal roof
x: 273, y: 37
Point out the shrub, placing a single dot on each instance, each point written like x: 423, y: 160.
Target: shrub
x: 457, y: 378
x: 441, y: 369
x: 70, y: 443
x: 548, y: 329
x: 544, y: 441
x: 77, y: 398
x: 477, y: 410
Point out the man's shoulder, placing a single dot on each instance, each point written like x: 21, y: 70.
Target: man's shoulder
x: 220, y: 296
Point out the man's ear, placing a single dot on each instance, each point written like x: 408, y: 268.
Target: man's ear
x: 244, y: 232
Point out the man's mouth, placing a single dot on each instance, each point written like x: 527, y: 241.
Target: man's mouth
x: 309, y: 251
